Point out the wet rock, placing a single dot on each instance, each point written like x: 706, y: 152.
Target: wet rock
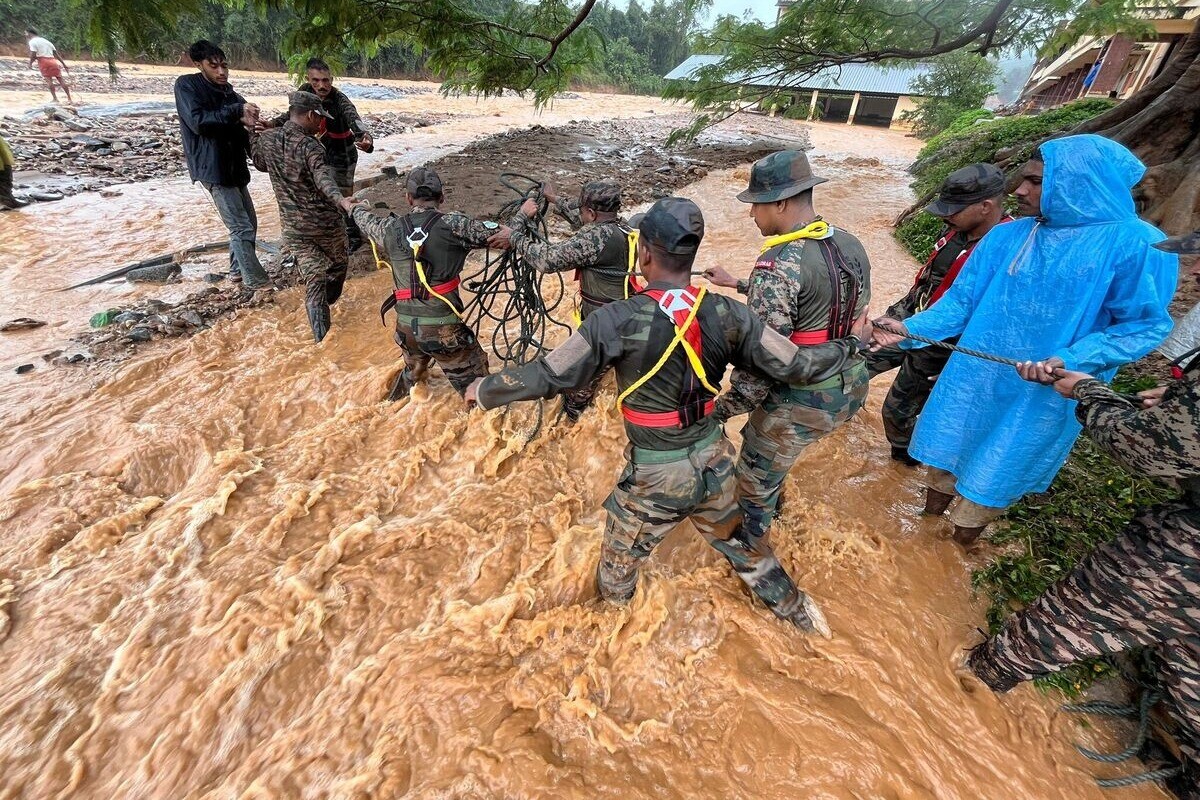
x: 118, y: 147
x: 214, y: 277
x: 53, y: 354
x: 21, y: 324
x: 109, y: 193
x: 161, y: 274
x: 663, y: 170
x: 129, y: 316
x: 21, y: 370
x: 141, y: 334
x: 192, y: 319
x: 156, y: 306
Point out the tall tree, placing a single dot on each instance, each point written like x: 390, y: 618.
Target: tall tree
x: 958, y: 82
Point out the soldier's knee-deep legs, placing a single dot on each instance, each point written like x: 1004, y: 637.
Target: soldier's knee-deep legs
x: 453, y: 346
x: 323, y: 262
x: 909, y: 392
x: 1138, y: 590
x: 777, y: 433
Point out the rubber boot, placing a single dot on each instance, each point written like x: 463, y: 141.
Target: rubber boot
x: 7, y: 199
x: 936, y: 502
x: 401, y: 387
x: 901, y: 454
x: 968, y: 536
x: 318, y: 319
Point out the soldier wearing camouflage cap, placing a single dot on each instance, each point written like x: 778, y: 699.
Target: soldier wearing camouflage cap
x: 669, y: 346
x: 1142, y: 588
x: 810, y: 283
x: 598, y: 253
x: 426, y: 250
x: 971, y: 202
x: 310, y: 205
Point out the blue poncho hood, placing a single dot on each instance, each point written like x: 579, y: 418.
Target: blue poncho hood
x: 1087, y: 180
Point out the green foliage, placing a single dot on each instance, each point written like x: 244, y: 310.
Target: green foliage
x: 958, y: 82
x: 1046, y: 535
x: 919, y: 233
x: 1018, y: 135
x: 965, y: 121
x: 642, y: 44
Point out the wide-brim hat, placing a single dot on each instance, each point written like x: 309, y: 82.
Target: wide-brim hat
x: 779, y: 176
x: 1184, y: 244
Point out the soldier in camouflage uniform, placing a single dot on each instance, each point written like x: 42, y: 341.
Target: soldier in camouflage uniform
x: 429, y: 324
x: 342, y: 133
x: 669, y: 347
x: 598, y: 253
x: 1143, y: 588
x: 309, y: 203
x: 971, y: 201
x: 811, y: 283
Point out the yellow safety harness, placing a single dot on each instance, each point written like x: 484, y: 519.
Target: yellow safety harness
x: 633, y: 242
x: 815, y: 230
x: 678, y: 339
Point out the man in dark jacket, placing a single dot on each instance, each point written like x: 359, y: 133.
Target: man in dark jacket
x: 213, y: 121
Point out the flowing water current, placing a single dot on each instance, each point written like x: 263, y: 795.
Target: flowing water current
x: 227, y: 570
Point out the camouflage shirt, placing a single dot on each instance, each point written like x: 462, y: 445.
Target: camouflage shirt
x: 304, y: 185
x: 793, y: 294
x: 1159, y: 442
x: 345, y: 120
x: 619, y: 335
x: 599, y: 250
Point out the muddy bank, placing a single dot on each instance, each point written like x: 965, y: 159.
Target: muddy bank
x: 633, y: 152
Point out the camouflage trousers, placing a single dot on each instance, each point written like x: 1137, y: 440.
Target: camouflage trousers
x: 452, y: 345
x: 789, y: 420
x: 1140, y: 590
x: 911, y: 388
x: 322, y: 261
x: 654, y: 495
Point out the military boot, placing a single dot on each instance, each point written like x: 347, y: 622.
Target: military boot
x: 7, y: 199
x: 809, y: 618
x: 402, y: 386
x: 936, y: 502
x: 318, y: 319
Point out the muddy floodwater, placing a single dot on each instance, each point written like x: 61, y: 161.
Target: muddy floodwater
x: 227, y: 570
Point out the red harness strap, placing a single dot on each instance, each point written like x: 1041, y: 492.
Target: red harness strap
x: 662, y: 419
x: 441, y: 288
x: 955, y: 268
x: 809, y: 337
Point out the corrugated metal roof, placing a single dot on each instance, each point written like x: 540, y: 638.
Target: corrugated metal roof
x: 869, y: 78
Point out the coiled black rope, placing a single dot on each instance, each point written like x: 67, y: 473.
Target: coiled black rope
x: 512, y: 294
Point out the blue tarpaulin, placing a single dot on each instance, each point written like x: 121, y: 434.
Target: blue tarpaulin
x: 1080, y: 282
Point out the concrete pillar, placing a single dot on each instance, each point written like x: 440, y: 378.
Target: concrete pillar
x: 812, y: 106
x: 853, y: 108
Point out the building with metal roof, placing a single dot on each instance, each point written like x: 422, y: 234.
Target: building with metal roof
x: 862, y: 94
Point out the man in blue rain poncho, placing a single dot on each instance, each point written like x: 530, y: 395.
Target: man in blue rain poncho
x: 1074, y: 285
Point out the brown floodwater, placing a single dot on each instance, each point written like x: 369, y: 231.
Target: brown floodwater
x: 227, y: 570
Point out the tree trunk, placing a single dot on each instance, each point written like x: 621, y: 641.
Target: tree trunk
x: 1160, y: 123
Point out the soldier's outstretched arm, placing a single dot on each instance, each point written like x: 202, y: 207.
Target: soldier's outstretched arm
x: 571, y: 365
x: 373, y: 225
x: 578, y: 252
x: 569, y: 210
x: 763, y: 350
x: 314, y: 156
x: 468, y: 231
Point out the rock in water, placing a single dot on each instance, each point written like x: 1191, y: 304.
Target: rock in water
x: 21, y: 324
x: 161, y: 274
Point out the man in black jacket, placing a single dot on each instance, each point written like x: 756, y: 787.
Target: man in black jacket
x: 213, y: 119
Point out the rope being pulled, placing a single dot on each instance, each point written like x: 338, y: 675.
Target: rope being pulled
x: 966, y: 351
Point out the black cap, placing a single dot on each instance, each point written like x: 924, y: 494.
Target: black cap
x: 1184, y: 244
x: 423, y: 181
x: 674, y: 223
x: 973, y: 183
